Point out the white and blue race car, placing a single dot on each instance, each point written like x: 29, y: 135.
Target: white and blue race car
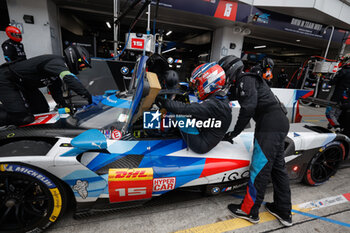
x: 102, y: 159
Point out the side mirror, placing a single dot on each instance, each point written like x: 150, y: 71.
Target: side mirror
x: 91, y: 139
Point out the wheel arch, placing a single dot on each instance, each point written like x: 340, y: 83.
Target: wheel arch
x: 346, y: 142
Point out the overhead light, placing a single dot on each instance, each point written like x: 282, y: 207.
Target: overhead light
x: 298, y: 40
x: 168, y: 33
x: 108, y: 25
x: 169, y: 50
x: 260, y: 47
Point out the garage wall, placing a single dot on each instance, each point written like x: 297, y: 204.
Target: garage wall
x: 3, y: 37
x: 55, y: 32
x: 36, y: 37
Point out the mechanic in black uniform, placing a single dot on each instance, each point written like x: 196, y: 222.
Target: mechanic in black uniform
x: 341, y: 96
x: 264, y: 68
x: 13, y: 48
x: 19, y: 83
x: 258, y: 102
x: 207, y: 80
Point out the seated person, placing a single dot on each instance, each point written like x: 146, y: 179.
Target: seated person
x: 208, y: 80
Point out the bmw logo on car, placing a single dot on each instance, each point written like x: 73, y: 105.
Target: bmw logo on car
x: 124, y: 70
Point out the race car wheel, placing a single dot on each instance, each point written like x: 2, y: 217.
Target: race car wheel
x: 30, y: 199
x: 325, y: 163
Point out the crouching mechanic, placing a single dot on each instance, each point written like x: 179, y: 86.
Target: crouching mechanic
x: 258, y: 102
x: 207, y: 80
x: 19, y: 83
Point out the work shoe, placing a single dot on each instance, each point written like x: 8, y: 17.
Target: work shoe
x: 284, y: 218
x: 237, y: 212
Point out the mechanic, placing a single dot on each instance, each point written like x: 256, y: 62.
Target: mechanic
x: 282, y: 79
x: 208, y: 81
x: 258, y: 102
x: 339, y: 117
x: 265, y: 69
x: 13, y: 48
x: 19, y: 83
x: 158, y: 64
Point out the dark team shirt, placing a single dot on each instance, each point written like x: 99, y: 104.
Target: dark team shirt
x: 13, y: 51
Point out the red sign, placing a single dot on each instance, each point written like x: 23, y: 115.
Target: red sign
x: 226, y: 10
x: 137, y: 43
x: 162, y: 184
x: 130, y: 184
x: 116, y: 135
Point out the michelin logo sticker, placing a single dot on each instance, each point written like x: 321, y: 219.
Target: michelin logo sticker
x: 81, y: 187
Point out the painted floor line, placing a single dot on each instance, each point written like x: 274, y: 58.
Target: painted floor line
x: 237, y: 223
x: 322, y: 218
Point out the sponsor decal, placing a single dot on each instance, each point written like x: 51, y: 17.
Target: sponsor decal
x: 124, y: 70
x: 116, y: 134
x: 27, y: 171
x: 81, y: 187
x: 163, y: 184
x: 137, y: 43
x: 112, y: 134
x: 11, y: 135
x: 235, y: 176
x: 170, y: 60
x: 130, y: 184
x: 233, y: 187
x: 325, y: 202
x: 45, y: 119
x: 57, y: 204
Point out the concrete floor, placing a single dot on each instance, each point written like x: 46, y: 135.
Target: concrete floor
x: 191, y: 212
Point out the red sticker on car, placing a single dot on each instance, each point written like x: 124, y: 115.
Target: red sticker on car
x: 116, y: 134
x: 130, y: 184
x: 163, y: 184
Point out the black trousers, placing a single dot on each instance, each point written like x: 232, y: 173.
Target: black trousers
x: 268, y: 163
x: 344, y: 120
x: 19, y: 100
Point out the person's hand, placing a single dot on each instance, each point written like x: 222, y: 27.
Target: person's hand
x: 160, y: 101
x: 229, y: 137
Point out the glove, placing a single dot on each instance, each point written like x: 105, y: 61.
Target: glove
x: 160, y: 101
x: 229, y: 137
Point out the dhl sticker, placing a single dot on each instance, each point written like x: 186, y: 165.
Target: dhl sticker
x: 130, y: 174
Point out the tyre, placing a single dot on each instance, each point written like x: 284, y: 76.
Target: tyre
x: 30, y: 199
x: 25, y: 148
x: 325, y: 163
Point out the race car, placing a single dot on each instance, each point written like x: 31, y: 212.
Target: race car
x: 107, y: 156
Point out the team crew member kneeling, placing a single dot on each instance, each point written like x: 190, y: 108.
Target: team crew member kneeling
x: 207, y: 80
x: 258, y: 102
x: 19, y: 83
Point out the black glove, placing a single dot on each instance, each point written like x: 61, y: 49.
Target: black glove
x: 229, y: 137
x: 88, y: 97
x: 160, y: 101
